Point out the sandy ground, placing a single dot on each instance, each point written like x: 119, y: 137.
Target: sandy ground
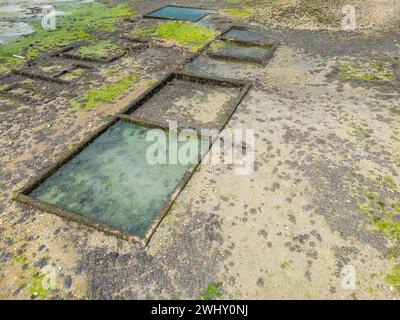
x: 290, y: 230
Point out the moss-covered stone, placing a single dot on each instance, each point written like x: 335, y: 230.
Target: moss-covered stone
x: 241, y: 12
x: 99, y: 49
x: 379, y: 70
x: 81, y: 22
x: 384, y: 213
x: 104, y: 94
x: 186, y: 34
x: 212, y: 292
x: 393, y: 278
x: 359, y: 132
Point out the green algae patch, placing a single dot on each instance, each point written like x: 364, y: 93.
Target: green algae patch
x: 247, y: 8
x: 359, y: 132
x: 38, y: 284
x: 14, y: 195
x: 35, y: 281
x: 238, y: 12
x: 72, y: 74
x: 32, y: 45
x: 186, y: 34
x: 70, y: 146
x: 79, y: 22
x: 100, y: 49
x: 393, y: 278
x: 384, y: 214
x: 218, y: 45
x: 94, y: 16
x: 105, y: 94
x: 366, y: 70
x: 213, y: 291
x: 395, y: 110
x: 7, y: 104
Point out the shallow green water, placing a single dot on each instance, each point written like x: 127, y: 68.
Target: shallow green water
x: 111, y: 180
x: 245, y: 35
x: 179, y: 13
x: 239, y: 51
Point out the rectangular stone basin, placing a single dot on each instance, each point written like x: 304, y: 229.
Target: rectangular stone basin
x: 230, y: 50
x: 191, y: 101
x: 72, y: 74
x: 245, y: 36
x: 110, y: 184
x: 102, y: 51
x: 178, y: 13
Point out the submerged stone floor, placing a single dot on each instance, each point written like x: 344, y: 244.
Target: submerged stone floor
x: 326, y: 115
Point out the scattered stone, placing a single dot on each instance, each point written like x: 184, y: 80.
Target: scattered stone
x: 67, y: 282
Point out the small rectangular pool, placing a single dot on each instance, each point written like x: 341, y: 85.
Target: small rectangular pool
x: 102, y: 51
x: 110, y: 184
x: 241, y: 52
x: 192, y: 101
x: 178, y: 13
x: 245, y: 36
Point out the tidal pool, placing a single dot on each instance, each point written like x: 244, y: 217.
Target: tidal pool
x: 241, y: 52
x: 111, y: 180
x: 179, y: 13
x: 245, y: 36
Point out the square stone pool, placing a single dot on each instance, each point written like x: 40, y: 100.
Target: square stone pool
x: 178, y: 13
x: 110, y: 184
x: 230, y: 50
x: 192, y: 101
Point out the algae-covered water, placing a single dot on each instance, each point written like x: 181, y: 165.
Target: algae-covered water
x: 240, y: 51
x: 111, y: 180
x: 245, y: 35
x: 179, y: 13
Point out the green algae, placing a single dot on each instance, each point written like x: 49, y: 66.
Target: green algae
x: 366, y: 70
x: 359, y: 132
x: 113, y: 70
x: 14, y: 195
x: 393, y: 278
x: 169, y: 219
x: 242, y: 12
x: 31, y: 278
x: 177, y: 206
x: 70, y: 146
x: 81, y: 22
x: 4, y: 86
x: 186, y: 34
x: 212, y: 292
x: 218, y: 45
x: 395, y: 110
x: 94, y: 16
x: 52, y: 70
x: 104, y: 94
x: 101, y: 49
x: 72, y: 74
x: 35, y: 284
x: 384, y: 214
x: 246, y: 8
